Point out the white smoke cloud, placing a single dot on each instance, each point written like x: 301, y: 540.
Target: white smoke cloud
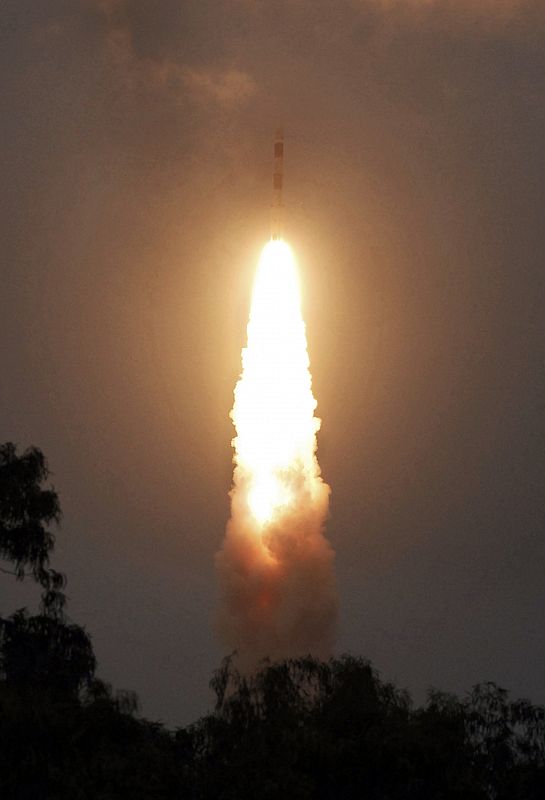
x: 285, y: 606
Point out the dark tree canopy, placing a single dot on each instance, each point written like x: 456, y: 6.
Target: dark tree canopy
x: 308, y: 729
x: 26, y: 512
x: 44, y: 653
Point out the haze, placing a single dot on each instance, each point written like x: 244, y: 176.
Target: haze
x: 136, y: 150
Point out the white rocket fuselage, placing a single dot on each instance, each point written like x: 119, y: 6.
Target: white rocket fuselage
x: 278, y: 178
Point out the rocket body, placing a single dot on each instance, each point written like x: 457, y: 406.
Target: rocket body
x: 278, y: 179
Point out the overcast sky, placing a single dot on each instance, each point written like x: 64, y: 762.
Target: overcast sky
x: 135, y: 166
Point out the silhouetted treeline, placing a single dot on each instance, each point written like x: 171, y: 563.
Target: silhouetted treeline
x: 296, y: 729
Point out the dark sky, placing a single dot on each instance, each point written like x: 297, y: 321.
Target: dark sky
x: 136, y: 146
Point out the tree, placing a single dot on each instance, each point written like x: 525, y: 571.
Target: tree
x: 26, y: 512
x: 303, y: 728
x: 308, y: 729
x: 508, y: 741
x: 44, y: 651
x: 63, y: 733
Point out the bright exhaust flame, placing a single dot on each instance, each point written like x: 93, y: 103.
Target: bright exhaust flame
x: 274, y: 407
x: 275, y: 565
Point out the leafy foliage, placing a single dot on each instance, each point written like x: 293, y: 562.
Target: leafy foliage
x: 92, y: 748
x: 308, y: 729
x: 25, y: 510
x: 45, y: 654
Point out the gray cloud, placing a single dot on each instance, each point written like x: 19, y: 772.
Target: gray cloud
x: 228, y: 88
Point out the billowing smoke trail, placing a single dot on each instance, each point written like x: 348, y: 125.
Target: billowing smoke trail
x: 275, y: 566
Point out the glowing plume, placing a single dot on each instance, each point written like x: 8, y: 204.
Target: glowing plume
x: 275, y: 565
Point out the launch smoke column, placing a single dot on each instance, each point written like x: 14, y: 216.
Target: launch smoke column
x: 275, y: 566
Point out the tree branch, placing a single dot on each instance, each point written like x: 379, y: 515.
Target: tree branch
x: 17, y: 575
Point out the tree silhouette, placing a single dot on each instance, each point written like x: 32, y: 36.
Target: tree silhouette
x: 508, y: 738
x: 26, y: 512
x: 45, y: 651
x: 308, y: 729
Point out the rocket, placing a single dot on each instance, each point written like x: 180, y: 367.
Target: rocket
x: 278, y: 177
